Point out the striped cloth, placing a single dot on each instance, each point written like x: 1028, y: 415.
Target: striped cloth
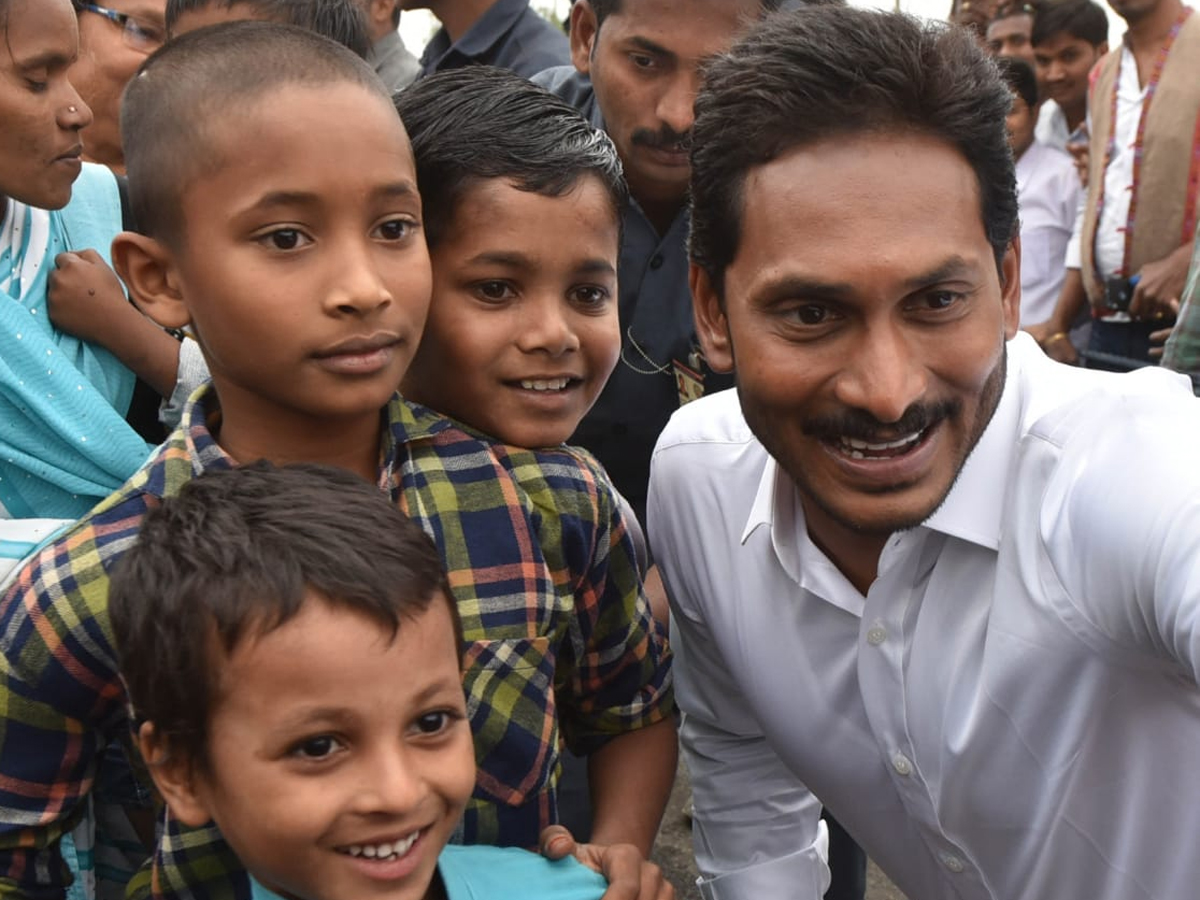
x: 559, y: 638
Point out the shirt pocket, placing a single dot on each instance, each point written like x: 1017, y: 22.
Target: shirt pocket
x: 509, y: 686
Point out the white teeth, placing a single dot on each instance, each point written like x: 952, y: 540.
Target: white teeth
x: 553, y: 384
x: 858, y: 449
x: 383, y: 851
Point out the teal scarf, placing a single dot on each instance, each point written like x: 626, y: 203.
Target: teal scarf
x: 64, y: 441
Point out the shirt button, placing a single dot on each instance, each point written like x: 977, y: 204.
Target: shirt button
x: 656, y: 261
x: 901, y: 764
x: 952, y: 862
x: 876, y: 636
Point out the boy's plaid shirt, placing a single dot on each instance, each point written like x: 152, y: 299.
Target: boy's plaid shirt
x: 559, y: 636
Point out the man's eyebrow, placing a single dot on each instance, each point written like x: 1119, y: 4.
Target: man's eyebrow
x: 650, y: 47
x: 951, y: 269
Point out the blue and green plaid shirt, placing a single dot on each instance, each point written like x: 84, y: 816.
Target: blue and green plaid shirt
x: 559, y: 638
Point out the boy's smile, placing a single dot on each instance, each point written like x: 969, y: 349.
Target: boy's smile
x: 522, y: 331
x: 303, y: 264
x: 339, y: 758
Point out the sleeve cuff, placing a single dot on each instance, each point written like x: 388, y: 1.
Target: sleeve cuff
x: 803, y: 875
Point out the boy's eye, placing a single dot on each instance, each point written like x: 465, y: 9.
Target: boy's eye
x: 396, y: 229
x: 435, y: 722
x: 494, y: 291
x: 318, y: 747
x: 285, y: 239
x: 590, y: 295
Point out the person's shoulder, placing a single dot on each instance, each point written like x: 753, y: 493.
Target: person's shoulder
x: 715, y: 419
x: 497, y: 873
x: 566, y: 83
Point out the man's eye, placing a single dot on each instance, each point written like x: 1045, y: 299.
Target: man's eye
x: 641, y: 60
x: 940, y: 300
x: 318, y: 747
x: 810, y: 314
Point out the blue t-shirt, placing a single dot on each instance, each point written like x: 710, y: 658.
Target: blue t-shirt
x: 499, y: 873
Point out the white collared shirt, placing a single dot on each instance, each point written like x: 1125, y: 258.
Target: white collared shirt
x: 1049, y: 194
x: 1010, y: 713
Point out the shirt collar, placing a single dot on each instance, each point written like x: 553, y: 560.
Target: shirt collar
x: 971, y: 511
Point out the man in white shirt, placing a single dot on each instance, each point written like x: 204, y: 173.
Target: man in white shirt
x: 908, y: 570
x: 1068, y: 38
x: 1048, y: 194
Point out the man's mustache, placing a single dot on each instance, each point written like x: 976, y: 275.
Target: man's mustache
x: 663, y: 139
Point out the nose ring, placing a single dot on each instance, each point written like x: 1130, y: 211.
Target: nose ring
x: 72, y: 109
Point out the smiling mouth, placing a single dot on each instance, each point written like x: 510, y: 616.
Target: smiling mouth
x: 547, y: 385
x: 383, y: 852
x: 860, y: 449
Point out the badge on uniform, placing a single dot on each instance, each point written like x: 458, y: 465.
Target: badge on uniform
x: 688, y: 378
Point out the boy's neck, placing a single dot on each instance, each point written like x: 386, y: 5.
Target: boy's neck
x: 248, y: 433
x: 457, y: 16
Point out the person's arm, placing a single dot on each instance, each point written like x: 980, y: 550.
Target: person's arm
x: 631, y: 778
x: 1053, y: 334
x: 615, y: 701
x: 58, y: 686
x: 1160, y: 285
x: 85, y: 299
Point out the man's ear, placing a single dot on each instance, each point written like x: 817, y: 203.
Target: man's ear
x: 1010, y: 287
x: 147, y: 267
x: 584, y: 31
x: 174, y: 776
x: 712, y: 327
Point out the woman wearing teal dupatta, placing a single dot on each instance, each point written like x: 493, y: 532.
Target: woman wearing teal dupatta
x: 64, y: 442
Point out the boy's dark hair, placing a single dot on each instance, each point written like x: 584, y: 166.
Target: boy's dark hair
x: 342, y: 21
x: 235, y: 554
x: 602, y: 9
x: 1081, y: 19
x: 835, y: 71
x: 201, y: 79
x: 1020, y: 78
x: 478, y: 123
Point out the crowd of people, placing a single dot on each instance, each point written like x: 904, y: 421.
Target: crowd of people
x: 378, y: 515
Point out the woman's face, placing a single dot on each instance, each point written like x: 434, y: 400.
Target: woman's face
x: 42, y: 113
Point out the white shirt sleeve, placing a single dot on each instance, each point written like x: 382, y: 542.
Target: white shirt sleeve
x: 192, y: 372
x: 756, y: 829
x: 1122, y: 527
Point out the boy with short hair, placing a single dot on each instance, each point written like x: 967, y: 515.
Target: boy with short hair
x: 339, y: 20
x: 292, y: 653
x: 293, y: 247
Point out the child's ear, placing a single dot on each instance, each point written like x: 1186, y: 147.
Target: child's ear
x: 583, y: 35
x: 175, y: 777
x: 147, y: 267
x: 712, y: 327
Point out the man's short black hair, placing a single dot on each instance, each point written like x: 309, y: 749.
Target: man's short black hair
x: 602, y: 9
x: 478, y: 123
x: 834, y: 71
x: 1081, y: 19
x: 342, y: 21
x: 195, y: 82
x: 236, y: 554
x: 1010, y: 8
x: 1020, y: 78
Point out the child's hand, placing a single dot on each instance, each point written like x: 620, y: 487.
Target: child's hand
x: 630, y: 875
x: 85, y: 298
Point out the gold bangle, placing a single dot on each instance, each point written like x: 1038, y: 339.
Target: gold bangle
x: 1057, y: 336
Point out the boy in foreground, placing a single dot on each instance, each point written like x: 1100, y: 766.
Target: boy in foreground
x: 292, y: 246
x: 292, y: 653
